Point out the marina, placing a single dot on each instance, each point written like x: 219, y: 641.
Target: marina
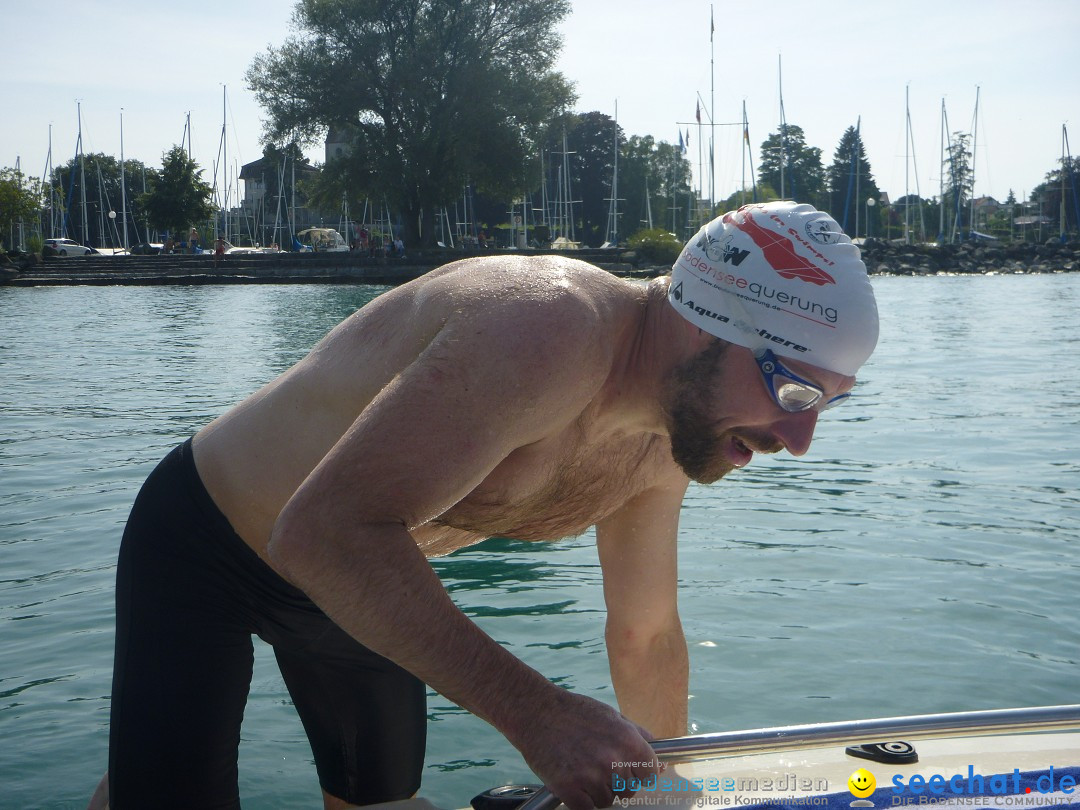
x: 881, y: 258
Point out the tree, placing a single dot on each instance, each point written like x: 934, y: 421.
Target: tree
x: 763, y: 192
x: 959, y: 184
x: 803, y: 174
x: 434, y: 94
x: 178, y: 197
x: 101, y: 175
x: 590, y: 144
x: 20, y: 202
x: 593, y: 138
x: 850, y: 183
x: 915, y: 216
x: 654, y: 179
x: 1049, y: 197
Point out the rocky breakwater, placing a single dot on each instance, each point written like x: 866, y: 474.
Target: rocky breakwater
x: 254, y: 268
x: 888, y: 258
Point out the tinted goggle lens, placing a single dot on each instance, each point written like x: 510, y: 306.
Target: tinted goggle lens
x: 791, y: 392
x: 794, y: 396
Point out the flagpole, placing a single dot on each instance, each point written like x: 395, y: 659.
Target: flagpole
x: 746, y: 143
x: 700, y: 160
x: 783, y: 124
x: 712, y: 114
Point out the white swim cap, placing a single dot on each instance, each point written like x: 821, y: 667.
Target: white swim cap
x: 782, y: 276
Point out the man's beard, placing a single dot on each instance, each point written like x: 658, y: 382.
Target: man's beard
x: 693, y: 392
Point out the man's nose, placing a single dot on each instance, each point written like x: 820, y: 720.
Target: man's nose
x: 796, y: 431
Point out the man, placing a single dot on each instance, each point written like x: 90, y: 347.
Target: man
x: 523, y: 397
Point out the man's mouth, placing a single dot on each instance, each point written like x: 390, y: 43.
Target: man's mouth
x: 737, y: 452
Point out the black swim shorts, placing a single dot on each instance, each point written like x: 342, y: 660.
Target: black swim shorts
x: 189, y: 596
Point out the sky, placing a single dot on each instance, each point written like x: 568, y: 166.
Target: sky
x: 149, y: 65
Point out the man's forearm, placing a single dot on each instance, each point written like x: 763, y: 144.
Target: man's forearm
x: 382, y: 591
x: 651, y: 682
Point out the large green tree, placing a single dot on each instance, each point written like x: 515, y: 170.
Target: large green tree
x: 792, y: 167
x: 590, y: 144
x: 95, y: 178
x: 434, y: 94
x: 178, y: 197
x: 20, y: 201
x: 850, y: 183
x: 655, y: 184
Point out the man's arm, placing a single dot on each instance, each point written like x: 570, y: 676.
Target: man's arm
x: 646, y: 647
x: 492, y: 380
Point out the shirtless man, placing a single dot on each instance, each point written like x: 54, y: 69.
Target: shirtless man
x: 523, y: 397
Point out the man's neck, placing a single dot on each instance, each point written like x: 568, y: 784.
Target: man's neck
x: 634, y: 394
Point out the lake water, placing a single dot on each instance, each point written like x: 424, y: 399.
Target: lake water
x: 922, y: 557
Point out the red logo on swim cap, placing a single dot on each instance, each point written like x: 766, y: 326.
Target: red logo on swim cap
x: 779, y: 251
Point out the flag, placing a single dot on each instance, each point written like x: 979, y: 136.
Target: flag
x: 697, y: 112
x: 688, y: 137
x: 712, y: 25
x: 682, y: 145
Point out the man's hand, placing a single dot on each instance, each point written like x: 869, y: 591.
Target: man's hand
x: 577, y: 746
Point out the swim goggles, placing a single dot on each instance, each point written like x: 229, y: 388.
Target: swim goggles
x: 791, y: 392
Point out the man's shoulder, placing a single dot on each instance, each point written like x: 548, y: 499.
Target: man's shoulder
x: 564, y: 309
x: 553, y: 285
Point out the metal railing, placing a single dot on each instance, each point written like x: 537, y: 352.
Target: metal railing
x: 790, y: 738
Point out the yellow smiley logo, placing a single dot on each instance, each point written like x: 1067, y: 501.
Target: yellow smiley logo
x: 861, y: 783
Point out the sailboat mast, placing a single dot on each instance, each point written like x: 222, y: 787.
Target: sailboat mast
x: 52, y: 187
x: 612, y: 235
x: 568, y: 203
x: 225, y: 162
x: 783, y: 125
x: 974, y: 143
x: 907, y: 164
x: 18, y: 179
x: 82, y: 181
x: 648, y: 206
x: 857, y: 167
x: 123, y: 184
x: 941, y: 180
x: 1065, y: 169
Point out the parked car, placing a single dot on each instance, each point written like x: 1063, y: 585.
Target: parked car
x: 322, y: 240
x: 67, y: 247
x: 147, y: 249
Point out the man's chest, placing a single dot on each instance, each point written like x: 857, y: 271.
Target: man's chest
x: 561, y: 486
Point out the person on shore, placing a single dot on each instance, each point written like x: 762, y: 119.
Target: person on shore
x: 219, y: 250
x: 525, y: 397
x: 193, y: 242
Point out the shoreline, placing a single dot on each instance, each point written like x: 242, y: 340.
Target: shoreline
x: 881, y: 258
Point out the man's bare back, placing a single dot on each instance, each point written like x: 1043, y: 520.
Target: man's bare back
x: 254, y: 458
